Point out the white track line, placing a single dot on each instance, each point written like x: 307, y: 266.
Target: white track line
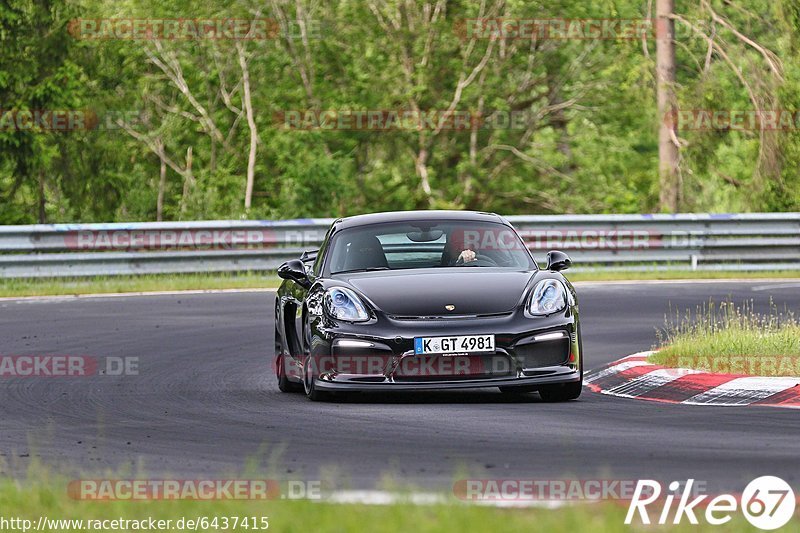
x: 789, y: 282
x: 380, y: 497
x: 777, y: 286
x: 743, y: 391
x: 617, y: 367
x: 737, y: 392
x: 647, y: 382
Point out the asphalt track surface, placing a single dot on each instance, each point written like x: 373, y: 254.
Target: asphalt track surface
x: 205, y: 403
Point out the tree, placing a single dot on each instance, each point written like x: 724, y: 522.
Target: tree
x: 668, y: 156
x: 33, y: 35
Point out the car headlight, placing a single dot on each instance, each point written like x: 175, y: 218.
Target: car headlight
x: 548, y: 297
x: 343, y: 304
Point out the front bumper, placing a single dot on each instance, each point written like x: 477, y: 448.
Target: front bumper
x: 382, y: 357
x: 552, y: 376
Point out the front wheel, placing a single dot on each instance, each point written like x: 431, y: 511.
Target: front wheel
x: 284, y: 383
x: 561, y: 392
x: 309, y: 384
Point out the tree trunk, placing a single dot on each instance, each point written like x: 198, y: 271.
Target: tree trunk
x: 188, y: 181
x: 247, y: 102
x: 162, y: 183
x: 42, y: 217
x: 669, y: 179
x: 421, y: 163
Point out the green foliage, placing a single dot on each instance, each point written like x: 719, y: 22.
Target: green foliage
x: 588, y: 143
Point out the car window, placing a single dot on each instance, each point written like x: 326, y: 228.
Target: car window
x: 323, y: 249
x: 427, y: 244
x: 402, y: 252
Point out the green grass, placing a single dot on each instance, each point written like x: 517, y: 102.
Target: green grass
x: 729, y: 338
x: 47, y: 497
x: 252, y: 280
x: 600, y: 275
x: 143, y: 283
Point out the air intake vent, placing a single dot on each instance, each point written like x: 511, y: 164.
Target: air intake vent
x: 542, y: 354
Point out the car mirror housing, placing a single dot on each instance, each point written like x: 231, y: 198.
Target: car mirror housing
x: 309, y: 256
x: 295, y: 271
x: 557, y: 261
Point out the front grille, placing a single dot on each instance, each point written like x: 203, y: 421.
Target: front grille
x: 541, y: 354
x: 448, y: 317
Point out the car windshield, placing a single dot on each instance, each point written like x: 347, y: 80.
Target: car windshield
x: 427, y: 244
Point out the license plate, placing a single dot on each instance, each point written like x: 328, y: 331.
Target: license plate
x: 453, y: 345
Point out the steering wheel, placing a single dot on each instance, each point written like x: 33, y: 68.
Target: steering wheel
x: 480, y: 260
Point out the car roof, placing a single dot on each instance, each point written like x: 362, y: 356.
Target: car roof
x: 409, y: 216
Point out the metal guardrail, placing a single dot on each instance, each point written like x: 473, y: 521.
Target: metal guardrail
x: 767, y: 241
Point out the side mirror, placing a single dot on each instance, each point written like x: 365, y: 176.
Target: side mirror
x: 557, y: 261
x: 309, y: 256
x: 295, y: 271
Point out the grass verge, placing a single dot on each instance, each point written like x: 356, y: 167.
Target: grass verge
x: 252, y: 280
x: 143, y: 283
x: 600, y: 275
x: 732, y: 339
x: 47, y: 498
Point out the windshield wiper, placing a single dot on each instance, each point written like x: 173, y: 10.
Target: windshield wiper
x: 370, y: 269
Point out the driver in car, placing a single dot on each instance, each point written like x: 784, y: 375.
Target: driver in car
x: 449, y: 257
x: 466, y: 256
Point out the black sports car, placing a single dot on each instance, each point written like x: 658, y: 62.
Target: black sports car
x: 422, y: 300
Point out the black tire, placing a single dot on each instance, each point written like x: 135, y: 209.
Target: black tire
x: 561, y: 392
x: 284, y: 383
x: 310, y: 385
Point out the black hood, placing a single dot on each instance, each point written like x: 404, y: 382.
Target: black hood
x: 472, y: 290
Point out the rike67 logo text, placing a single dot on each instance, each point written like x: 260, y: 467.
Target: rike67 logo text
x: 768, y: 503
